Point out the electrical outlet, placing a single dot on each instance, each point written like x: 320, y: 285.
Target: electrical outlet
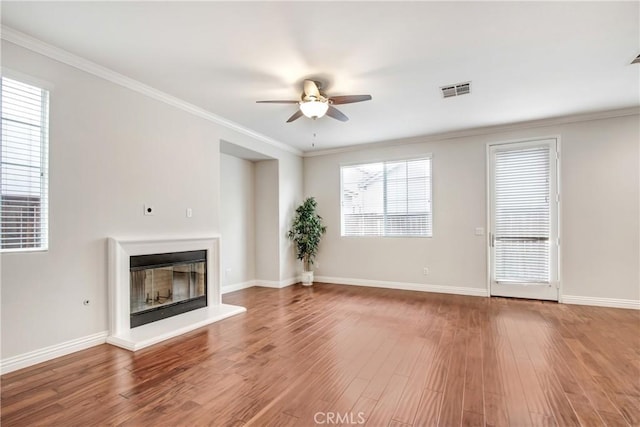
x: 425, y: 271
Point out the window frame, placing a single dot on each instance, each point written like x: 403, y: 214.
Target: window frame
x: 425, y: 156
x: 43, y: 226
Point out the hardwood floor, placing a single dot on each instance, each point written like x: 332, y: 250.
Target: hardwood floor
x: 341, y: 355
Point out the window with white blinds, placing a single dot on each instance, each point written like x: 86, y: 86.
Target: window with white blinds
x: 23, y: 166
x: 387, y: 199
x: 522, y: 221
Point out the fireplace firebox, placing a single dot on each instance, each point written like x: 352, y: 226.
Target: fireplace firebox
x: 165, y: 285
x: 124, y: 253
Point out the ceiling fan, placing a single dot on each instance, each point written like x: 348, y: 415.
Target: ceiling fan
x: 315, y: 104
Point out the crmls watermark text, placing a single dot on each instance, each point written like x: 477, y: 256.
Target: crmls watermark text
x: 339, y: 418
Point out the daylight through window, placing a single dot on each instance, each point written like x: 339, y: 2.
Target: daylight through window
x: 387, y: 198
x: 23, y: 164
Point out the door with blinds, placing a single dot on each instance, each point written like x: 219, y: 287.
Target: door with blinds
x: 523, y: 235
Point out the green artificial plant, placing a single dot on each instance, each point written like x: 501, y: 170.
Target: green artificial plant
x: 306, y: 232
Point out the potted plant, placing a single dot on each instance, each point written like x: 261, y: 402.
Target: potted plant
x: 306, y: 231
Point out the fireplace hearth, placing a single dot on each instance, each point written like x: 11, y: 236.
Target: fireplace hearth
x: 159, y: 289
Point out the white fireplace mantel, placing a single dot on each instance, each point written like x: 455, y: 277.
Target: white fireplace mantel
x: 120, y: 333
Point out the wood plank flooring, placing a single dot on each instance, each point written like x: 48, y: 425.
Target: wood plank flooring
x: 342, y: 355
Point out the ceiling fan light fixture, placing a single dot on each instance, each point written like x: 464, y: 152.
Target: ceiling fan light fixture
x: 315, y: 104
x: 314, y: 108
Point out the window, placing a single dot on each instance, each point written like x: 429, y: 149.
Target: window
x: 387, y: 199
x: 23, y: 166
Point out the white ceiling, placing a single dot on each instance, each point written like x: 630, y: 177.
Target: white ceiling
x: 526, y: 60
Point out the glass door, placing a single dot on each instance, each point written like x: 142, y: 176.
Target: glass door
x: 523, y: 234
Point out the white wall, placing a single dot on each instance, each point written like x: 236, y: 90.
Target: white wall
x: 237, y: 220
x: 453, y: 255
x: 255, y: 246
x: 600, y: 216
x: 290, y: 177
x: 112, y: 149
x: 600, y: 209
x: 267, y: 221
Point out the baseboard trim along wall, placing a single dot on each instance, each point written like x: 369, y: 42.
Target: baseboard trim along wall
x: 262, y: 284
x: 276, y: 284
x: 31, y: 358
x: 291, y: 281
x: 269, y: 284
x: 422, y: 287
x: 238, y: 286
x: 601, y: 302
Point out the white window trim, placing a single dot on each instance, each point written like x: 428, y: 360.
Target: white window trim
x: 424, y: 156
x: 48, y: 87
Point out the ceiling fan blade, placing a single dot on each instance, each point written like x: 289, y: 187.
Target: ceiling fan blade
x: 311, y: 89
x: 277, y: 102
x: 295, y: 116
x: 336, y: 114
x: 349, y: 99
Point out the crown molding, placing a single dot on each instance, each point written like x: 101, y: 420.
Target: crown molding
x: 487, y: 130
x: 61, y: 55
x: 68, y: 58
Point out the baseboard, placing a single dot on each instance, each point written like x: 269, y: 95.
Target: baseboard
x: 261, y: 283
x: 601, y: 302
x: 238, y: 286
x: 291, y: 281
x: 277, y: 284
x: 31, y: 358
x: 267, y: 284
x: 422, y: 287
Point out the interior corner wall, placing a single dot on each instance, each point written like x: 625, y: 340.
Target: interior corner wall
x: 599, y: 219
x: 291, y: 186
x: 237, y: 220
x: 267, y: 223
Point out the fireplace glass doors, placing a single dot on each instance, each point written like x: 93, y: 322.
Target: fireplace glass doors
x: 164, y: 285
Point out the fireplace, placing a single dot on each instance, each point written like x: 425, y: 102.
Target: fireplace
x: 159, y: 289
x: 165, y: 285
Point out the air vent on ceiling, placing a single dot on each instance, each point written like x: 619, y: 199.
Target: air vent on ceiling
x: 637, y: 60
x: 456, y: 89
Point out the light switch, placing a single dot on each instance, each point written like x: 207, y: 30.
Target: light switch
x: 189, y: 212
x: 479, y: 231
